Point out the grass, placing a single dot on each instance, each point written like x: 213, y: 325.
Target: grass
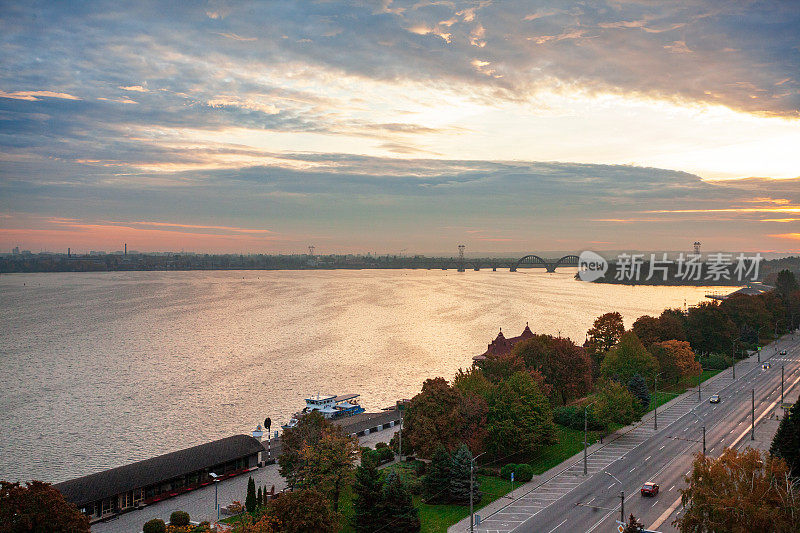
x: 570, y: 442
x: 676, y: 389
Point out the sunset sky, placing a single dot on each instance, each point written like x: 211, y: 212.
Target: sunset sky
x: 390, y: 125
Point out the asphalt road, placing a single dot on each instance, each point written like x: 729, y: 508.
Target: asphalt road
x: 575, y: 502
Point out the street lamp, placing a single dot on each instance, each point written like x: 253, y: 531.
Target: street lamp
x: 216, y: 485
x: 621, y: 498
x: 585, y: 443
x: 655, y: 411
x: 704, y: 429
x: 471, y: 491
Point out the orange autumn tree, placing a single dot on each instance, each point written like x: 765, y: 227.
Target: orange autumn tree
x: 681, y: 357
x: 739, y: 492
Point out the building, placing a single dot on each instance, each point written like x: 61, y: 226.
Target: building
x: 501, y: 345
x: 111, y: 492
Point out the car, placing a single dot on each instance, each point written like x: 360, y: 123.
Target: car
x: 649, y: 489
x: 714, y: 399
x: 783, y: 352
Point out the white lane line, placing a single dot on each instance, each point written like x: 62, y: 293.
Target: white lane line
x: 632, y: 469
x: 648, y: 458
x: 558, y: 526
x: 672, y: 487
x: 610, y: 485
x: 661, y: 448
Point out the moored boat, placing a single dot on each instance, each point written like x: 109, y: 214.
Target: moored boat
x: 330, y: 406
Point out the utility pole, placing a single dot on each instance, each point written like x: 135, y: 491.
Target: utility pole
x: 753, y: 415
x: 699, y: 382
x: 704, y: 440
x: 782, y: 385
x: 655, y: 412
x: 622, y: 506
x: 471, y: 491
x: 585, y: 443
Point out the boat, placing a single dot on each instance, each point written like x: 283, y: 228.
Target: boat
x: 330, y: 406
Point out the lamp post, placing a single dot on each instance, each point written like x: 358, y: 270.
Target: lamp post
x: 585, y: 442
x: 704, y: 430
x: 753, y: 415
x: 699, y: 383
x: 758, y: 341
x: 471, y: 491
x: 655, y: 411
x: 216, y: 485
x: 733, y: 354
x: 621, y: 498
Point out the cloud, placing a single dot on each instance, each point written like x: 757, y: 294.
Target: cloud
x: 35, y: 96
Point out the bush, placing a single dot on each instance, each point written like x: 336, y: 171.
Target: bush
x: 421, y: 467
x: 714, y: 362
x: 380, y: 445
x: 179, y: 518
x: 523, y: 473
x: 385, y: 454
x: 156, y: 525
x: 505, y: 472
x: 415, y: 487
x: 571, y: 416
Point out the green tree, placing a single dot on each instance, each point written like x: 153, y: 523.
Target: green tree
x: 38, y: 507
x: 614, y: 404
x: 436, y: 482
x: 304, y: 511
x: 329, y: 463
x: 259, y: 498
x: 520, y: 417
x: 603, y: 335
x: 460, y: 480
x: 250, y: 501
x: 786, y: 283
x: 708, y: 329
x: 638, y: 388
x: 309, y: 429
x: 397, y: 509
x: 748, y: 313
x: 473, y: 381
x: 367, y: 496
x: 786, y: 443
x: 627, y: 358
x: 633, y: 525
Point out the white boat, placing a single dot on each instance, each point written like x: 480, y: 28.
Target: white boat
x: 330, y: 406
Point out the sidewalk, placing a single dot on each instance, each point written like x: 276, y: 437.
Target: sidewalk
x: 709, y: 387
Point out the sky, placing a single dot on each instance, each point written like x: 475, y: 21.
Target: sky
x: 400, y: 126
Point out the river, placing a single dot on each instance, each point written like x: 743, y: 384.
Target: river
x: 102, y: 369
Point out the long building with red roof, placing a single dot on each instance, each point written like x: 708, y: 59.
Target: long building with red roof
x: 501, y: 345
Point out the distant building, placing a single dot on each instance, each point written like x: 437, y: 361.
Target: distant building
x: 501, y: 345
x: 15, y: 251
x: 108, y: 493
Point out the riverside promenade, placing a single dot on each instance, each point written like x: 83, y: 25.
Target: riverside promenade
x: 199, y: 503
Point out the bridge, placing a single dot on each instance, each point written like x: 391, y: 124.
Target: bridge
x: 528, y: 261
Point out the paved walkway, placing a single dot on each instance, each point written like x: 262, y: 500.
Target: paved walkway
x: 200, y: 503
x: 510, y: 511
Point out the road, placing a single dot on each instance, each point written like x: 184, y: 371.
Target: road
x: 573, y: 502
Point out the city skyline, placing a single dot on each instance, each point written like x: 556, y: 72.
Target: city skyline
x: 384, y: 126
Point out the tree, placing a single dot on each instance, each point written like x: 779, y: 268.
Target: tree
x: 473, y: 381
x: 309, y: 429
x: 397, y: 509
x: 638, y: 388
x: 627, y: 358
x: 260, y: 499
x: 460, y: 485
x: 633, y: 525
x: 739, y: 492
x: 436, y: 482
x: 786, y: 443
x: 38, y: 507
x: 328, y: 464
x: 303, y: 511
x: 708, y: 329
x: 156, y: 525
x: 646, y: 328
x: 443, y: 415
x: 266, y: 523
x: 367, y: 496
x: 681, y: 358
x: 786, y: 283
x: 604, y: 334
x: 520, y: 418
x: 250, y: 501
x: 614, y: 404
x: 748, y: 313
x: 564, y: 365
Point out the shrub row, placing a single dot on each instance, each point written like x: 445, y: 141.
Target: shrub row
x: 572, y: 417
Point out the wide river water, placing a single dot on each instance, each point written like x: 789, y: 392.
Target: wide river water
x: 102, y: 369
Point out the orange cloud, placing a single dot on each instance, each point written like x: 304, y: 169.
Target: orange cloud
x: 33, y: 95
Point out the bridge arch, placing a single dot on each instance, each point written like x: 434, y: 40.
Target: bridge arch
x: 530, y: 260
x: 568, y: 260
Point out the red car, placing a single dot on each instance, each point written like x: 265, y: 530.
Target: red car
x: 649, y: 489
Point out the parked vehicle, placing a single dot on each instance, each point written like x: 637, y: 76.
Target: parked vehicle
x: 649, y: 489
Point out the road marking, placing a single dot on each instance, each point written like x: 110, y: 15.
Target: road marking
x: 661, y: 448
x: 632, y: 469
x: 672, y: 487
x: 648, y: 458
x: 610, y: 485
x: 558, y: 526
